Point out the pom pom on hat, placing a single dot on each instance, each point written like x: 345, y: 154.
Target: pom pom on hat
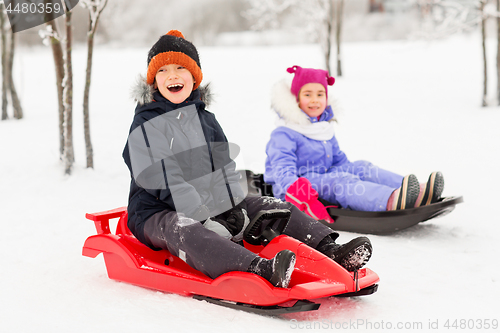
x: 173, y: 48
x: 304, y: 76
x: 175, y: 33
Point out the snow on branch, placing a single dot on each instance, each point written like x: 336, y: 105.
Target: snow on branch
x: 307, y: 15
x: 47, y: 34
x: 95, y: 8
x: 447, y: 17
x: 266, y: 12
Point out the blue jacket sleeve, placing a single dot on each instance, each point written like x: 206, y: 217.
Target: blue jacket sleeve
x: 281, y: 164
x: 338, y: 156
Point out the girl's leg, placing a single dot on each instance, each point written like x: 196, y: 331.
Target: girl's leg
x: 350, y: 191
x: 199, y: 247
x: 366, y: 171
x: 301, y: 226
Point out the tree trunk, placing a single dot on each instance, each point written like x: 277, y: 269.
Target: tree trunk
x: 4, y: 65
x: 68, y: 99
x: 16, y: 104
x: 485, y: 67
x: 94, y: 14
x: 57, y: 53
x: 329, y: 32
x: 339, y: 11
x: 86, y: 121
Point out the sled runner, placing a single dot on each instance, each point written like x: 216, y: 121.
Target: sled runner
x: 377, y: 223
x: 315, y: 275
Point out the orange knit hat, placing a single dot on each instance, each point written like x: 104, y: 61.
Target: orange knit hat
x: 173, y: 48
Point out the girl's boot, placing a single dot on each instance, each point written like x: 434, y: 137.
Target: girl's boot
x: 431, y: 191
x: 405, y: 196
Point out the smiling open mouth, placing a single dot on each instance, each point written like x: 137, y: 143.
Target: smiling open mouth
x: 175, y: 87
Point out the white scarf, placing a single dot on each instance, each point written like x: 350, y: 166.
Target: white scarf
x: 321, y: 131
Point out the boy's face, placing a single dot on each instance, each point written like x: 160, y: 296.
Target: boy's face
x: 174, y: 82
x: 312, y: 99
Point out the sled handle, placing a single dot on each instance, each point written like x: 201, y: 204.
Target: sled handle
x: 101, y: 219
x: 256, y: 234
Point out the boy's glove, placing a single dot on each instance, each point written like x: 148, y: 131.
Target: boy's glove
x: 234, y: 218
x: 305, y: 197
x: 230, y: 224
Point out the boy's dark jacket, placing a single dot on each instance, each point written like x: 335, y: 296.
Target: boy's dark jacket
x: 147, y: 200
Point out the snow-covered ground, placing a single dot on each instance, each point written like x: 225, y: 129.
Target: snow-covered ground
x: 411, y: 107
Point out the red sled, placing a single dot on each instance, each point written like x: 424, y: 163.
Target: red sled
x: 315, y: 275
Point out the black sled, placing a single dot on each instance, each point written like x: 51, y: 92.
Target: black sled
x: 376, y: 223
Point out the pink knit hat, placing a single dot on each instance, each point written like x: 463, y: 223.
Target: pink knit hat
x: 304, y: 76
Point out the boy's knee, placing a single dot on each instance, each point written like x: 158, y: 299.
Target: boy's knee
x: 182, y: 225
x: 273, y: 203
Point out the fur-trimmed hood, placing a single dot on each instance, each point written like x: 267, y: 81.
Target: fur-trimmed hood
x: 142, y: 92
x: 284, y: 103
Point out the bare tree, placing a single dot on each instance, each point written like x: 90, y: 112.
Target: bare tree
x: 8, y: 40
x: 68, y: 155
x: 64, y: 82
x: 4, y: 64
x: 52, y: 37
x: 444, y: 18
x: 16, y: 104
x: 95, y: 8
x: 318, y: 17
x: 485, y: 15
x: 329, y: 22
x: 339, y: 13
x: 449, y: 17
x: 485, y: 61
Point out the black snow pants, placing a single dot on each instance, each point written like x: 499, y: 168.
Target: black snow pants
x: 214, y: 255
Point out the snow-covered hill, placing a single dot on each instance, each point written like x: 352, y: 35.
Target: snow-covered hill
x: 411, y: 107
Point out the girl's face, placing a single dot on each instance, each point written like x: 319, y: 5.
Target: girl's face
x: 174, y: 82
x: 312, y: 99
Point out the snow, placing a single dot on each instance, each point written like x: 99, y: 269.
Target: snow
x: 411, y: 107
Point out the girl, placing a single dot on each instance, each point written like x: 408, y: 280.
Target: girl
x: 304, y: 160
x: 184, y: 191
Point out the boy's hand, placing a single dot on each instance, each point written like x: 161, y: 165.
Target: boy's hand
x: 230, y: 224
x: 232, y: 227
x: 235, y: 218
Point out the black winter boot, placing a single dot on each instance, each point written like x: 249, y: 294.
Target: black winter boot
x: 278, y: 270
x: 432, y: 190
x: 406, y: 196
x: 352, y: 256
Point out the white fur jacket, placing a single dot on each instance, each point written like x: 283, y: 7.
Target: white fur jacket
x: 290, y: 115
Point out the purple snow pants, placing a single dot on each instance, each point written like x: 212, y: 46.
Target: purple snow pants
x: 356, y: 185
x: 214, y: 255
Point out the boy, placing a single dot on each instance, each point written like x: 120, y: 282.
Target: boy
x: 184, y: 194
